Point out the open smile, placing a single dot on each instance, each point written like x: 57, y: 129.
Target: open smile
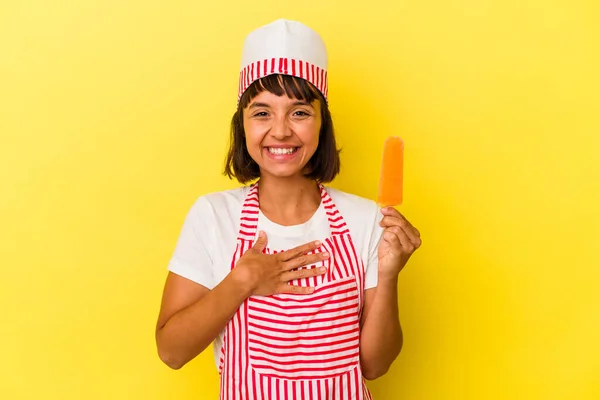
x: 282, y: 151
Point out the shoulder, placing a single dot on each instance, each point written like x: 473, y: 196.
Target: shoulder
x: 227, y: 197
x: 354, y: 207
x: 361, y: 214
x: 221, y: 205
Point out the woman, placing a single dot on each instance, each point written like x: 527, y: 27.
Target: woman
x: 296, y: 283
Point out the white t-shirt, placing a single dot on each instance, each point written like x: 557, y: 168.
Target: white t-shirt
x: 208, y: 239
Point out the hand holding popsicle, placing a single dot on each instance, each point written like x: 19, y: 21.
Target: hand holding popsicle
x: 400, y: 239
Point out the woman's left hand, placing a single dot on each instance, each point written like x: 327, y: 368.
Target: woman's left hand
x: 400, y: 240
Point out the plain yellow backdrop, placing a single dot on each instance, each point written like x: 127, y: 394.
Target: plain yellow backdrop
x: 114, y: 118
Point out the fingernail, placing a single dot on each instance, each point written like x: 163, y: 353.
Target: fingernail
x: 317, y: 243
x: 322, y: 269
x: 325, y: 254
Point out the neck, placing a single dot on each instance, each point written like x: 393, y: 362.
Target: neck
x: 289, y: 201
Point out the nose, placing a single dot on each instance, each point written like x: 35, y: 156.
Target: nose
x: 281, y: 128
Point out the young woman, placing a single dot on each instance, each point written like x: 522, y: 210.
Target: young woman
x: 294, y: 282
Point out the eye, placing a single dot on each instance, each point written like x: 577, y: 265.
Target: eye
x: 301, y: 113
x: 261, y: 114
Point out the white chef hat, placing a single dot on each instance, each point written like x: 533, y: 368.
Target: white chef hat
x: 284, y: 47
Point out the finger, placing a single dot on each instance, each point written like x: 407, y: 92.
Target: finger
x: 388, y: 221
x: 261, y: 242
x: 305, y: 259
x: 401, y: 238
x: 391, y: 211
x: 391, y: 221
x: 392, y: 239
x: 285, y: 288
x: 302, y: 273
x: 416, y: 241
x: 411, y: 232
x: 412, y: 236
x: 300, y: 250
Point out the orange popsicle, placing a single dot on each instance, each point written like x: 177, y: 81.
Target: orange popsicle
x: 392, y: 165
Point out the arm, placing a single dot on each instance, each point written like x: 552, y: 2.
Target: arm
x: 192, y: 316
x: 381, y: 334
x: 188, y: 320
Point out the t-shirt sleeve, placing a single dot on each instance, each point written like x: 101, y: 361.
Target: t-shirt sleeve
x: 371, y: 267
x: 191, y: 258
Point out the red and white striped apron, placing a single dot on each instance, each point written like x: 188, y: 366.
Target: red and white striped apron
x: 296, y: 347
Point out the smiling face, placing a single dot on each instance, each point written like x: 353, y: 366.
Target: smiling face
x: 282, y: 133
x: 282, y: 128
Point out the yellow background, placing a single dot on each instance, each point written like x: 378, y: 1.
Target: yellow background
x: 114, y: 117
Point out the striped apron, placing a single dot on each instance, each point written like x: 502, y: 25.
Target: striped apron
x: 296, y: 347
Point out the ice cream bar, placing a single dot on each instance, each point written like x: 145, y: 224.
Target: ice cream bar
x: 392, y: 164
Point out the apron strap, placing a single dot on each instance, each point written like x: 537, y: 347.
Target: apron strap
x: 249, y: 218
x: 337, y: 224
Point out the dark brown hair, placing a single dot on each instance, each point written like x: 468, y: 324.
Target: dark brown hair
x: 323, y: 166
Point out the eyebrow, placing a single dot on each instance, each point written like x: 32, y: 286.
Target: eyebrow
x: 296, y: 103
x: 257, y: 105
x: 302, y: 103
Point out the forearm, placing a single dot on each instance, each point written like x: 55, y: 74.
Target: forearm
x: 191, y: 330
x: 381, y: 334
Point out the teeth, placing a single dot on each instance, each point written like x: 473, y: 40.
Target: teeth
x: 281, y: 151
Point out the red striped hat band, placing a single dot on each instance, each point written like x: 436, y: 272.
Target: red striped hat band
x: 286, y: 66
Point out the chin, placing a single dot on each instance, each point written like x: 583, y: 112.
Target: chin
x: 282, y: 173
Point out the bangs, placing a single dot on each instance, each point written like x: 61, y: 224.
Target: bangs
x: 279, y: 85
